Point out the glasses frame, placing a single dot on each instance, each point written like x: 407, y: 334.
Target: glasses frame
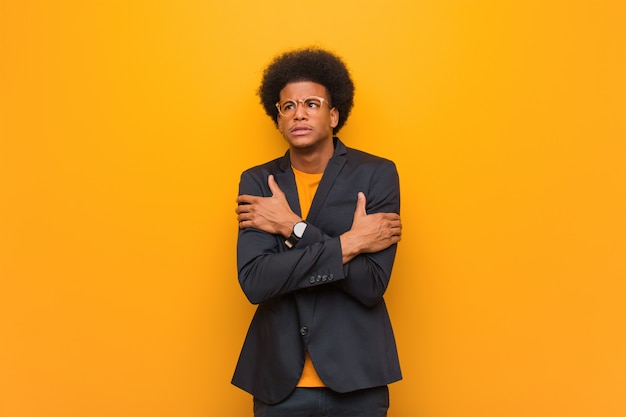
x: 301, y: 101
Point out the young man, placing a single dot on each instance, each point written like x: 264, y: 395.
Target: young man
x: 317, y: 242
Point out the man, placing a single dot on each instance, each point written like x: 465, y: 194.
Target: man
x: 317, y: 242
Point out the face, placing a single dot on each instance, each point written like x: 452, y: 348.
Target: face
x: 307, y: 131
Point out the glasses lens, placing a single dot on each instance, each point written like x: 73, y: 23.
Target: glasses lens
x: 287, y: 107
x: 312, y: 104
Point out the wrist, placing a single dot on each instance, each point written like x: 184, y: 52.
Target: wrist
x: 286, y: 227
x: 297, y: 232
x: 349, y: 247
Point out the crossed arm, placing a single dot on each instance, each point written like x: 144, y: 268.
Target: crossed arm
x: 370, y: 233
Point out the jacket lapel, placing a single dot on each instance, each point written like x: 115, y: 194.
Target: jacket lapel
x: 331, y: 172
x: 287, y: 183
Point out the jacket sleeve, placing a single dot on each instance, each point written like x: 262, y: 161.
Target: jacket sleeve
x: 367, y: 275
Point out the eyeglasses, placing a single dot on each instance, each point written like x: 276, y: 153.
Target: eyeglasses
x: 311, y: 105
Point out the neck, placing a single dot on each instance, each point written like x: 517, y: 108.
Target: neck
x: 311, y: 161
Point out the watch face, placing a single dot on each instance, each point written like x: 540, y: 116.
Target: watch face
x: 298, y: 229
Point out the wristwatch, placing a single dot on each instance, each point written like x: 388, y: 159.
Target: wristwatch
x: 296, y: 234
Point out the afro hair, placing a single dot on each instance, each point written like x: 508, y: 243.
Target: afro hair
x: 308, y: 64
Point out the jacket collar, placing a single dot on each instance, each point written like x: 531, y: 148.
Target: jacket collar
x: 288, y: 184
x: 340, y: 152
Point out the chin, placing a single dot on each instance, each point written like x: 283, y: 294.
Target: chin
x: 301, y: 143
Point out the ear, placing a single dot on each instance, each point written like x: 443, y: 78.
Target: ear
x: 334, y: 117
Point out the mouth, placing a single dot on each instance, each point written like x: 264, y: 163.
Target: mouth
x: 300, y: 130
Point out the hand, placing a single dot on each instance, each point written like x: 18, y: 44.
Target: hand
x: 370, y: 232
x: 269, y: 214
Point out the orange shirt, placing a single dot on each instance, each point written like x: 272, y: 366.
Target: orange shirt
x: 307, y: 186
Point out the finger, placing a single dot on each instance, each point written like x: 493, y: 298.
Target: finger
x: 246, y: 199
x: 394, y: 226
x: 245, y: 223
x: 395, y: 223
x: 360, y: 205
x: 242, y: 208
x: 274, y: 188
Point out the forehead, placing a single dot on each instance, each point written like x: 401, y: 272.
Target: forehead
x: 302, y: 89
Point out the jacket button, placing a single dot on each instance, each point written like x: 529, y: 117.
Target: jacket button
x: 312, y: 280
x: 304, y: 330
x: 324, y: 278
x: 319, y: 278
x: 330, y: 277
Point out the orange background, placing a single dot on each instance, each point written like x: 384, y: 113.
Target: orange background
x: 124, y: 126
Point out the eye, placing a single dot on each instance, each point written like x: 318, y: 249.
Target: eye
x: 313, y: 103
x: 288, y: 105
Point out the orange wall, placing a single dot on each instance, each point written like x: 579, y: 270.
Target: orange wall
x: 124, y: 126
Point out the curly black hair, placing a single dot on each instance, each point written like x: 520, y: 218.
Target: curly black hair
x: 308, y: 64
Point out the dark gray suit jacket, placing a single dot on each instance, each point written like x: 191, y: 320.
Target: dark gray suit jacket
x: 307, y: 299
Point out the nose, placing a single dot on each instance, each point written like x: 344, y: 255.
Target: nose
x: 300, y: 114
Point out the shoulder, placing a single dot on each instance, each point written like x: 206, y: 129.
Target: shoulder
x: 271, y: 167
x: 370, y: 161
x: 267, y: 167
x: 254, y: 180
x: 357, y: 156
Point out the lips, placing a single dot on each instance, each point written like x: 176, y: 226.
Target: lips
x: 300, y: 130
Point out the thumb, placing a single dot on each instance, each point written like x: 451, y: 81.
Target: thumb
x: 274, y: 188
x: 360, y: 205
